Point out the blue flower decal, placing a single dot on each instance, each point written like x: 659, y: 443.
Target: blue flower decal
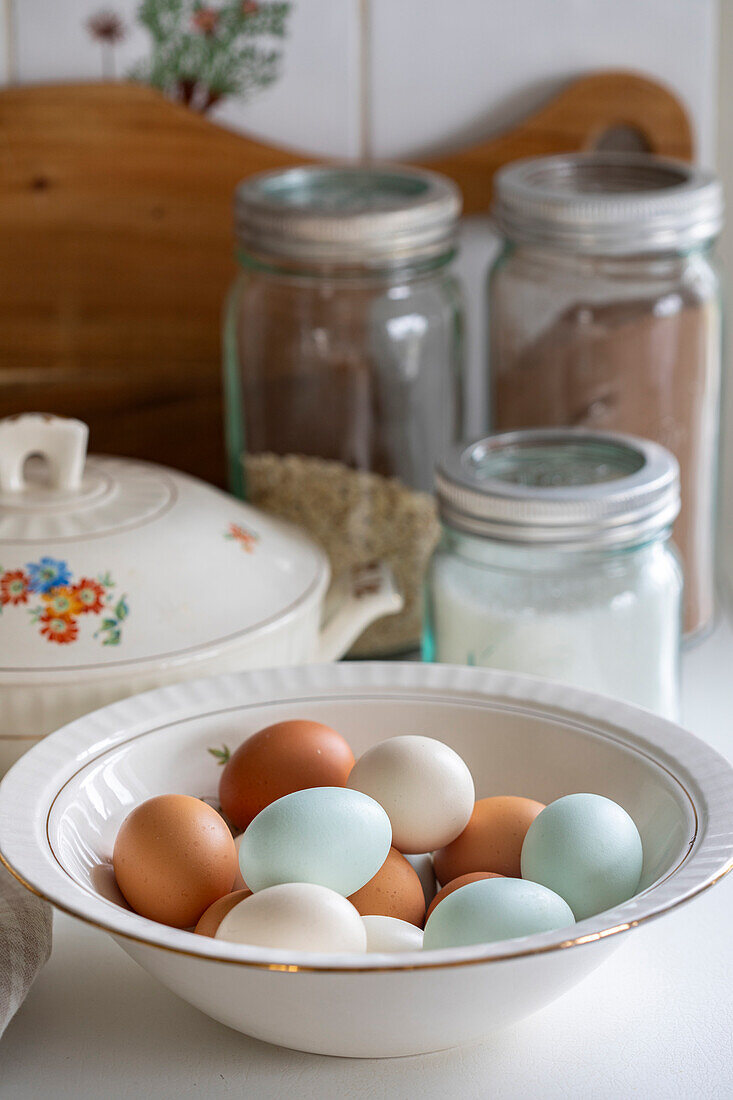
x: 47, y: 574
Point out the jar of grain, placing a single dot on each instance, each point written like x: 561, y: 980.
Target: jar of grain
x: 342, y: 363
x: 605, y: 312
x: 556, y: 560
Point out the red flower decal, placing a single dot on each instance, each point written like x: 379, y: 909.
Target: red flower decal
x: 90, y: 596
x: 245, y: 538
x: 57, y: 628
x: 14, y: 587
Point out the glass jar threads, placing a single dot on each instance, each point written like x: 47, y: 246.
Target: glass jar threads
x: 605, y: 313
x: 555, y: 559
x: 342, y: 361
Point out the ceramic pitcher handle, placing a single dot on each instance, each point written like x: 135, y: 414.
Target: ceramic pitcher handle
x: 357, y: 598
x: 61, y: 442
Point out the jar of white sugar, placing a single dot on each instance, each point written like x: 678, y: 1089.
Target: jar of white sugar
x: 555, y: 559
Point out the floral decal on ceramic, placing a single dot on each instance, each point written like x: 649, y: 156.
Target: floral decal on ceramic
x: 15, y: 587
x: 246, y: 539
x: 55, y: 602
x: 47, y: 574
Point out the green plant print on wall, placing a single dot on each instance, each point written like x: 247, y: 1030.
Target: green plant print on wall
x: 202, y: 53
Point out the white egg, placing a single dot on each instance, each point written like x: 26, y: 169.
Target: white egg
x: 297, y: 916
x: 239, y: 883
x: 391, y: 934
x: 424, y: 786
x: 423, y: 864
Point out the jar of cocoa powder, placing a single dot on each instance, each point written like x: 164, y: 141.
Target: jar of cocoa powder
x: 342, y: 362
x: 605, y: 313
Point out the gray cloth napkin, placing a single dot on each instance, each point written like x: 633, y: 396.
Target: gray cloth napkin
x: 25, y: 943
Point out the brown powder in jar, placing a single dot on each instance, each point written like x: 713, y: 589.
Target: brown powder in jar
x: 638, y: 367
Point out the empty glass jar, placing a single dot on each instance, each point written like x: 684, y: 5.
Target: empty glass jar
x: 555, y: 560
x: 342, y: 360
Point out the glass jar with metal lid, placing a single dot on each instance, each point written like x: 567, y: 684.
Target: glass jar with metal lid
x: 556, y: 560
x: 605, y: 313
x: 342, y: 361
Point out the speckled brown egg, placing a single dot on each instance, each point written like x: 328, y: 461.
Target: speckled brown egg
x: 215, y: 914
x: 395, y: 891
x: 279, y: 760
x: 173, y: 857
x: 492, y: 840
x: 462, y: 880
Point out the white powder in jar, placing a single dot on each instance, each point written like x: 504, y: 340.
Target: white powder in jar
x: 608, y: 627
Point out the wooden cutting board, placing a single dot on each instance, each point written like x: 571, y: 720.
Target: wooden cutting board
x: 116, y: 246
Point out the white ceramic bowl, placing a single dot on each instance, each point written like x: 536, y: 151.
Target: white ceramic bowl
x: 61, y: 806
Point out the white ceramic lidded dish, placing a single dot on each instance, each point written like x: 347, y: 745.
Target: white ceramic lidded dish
x: 62, y: 804
x: 117, y: 576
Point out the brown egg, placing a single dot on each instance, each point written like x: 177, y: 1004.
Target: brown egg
x: 462, y: 880
x: 173, y: 857
x: 395, y: 891
x: 492, y: 840
x: 278, y: 760
x: 215, y: 914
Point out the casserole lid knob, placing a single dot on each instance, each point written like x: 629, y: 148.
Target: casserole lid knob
x: 59, y: 442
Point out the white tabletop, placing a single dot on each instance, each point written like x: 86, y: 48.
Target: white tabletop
x: 656, y: 1021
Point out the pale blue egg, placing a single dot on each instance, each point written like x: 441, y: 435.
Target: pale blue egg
x: 329, y: 836
x: 587, y: 849
x: 494, y: 909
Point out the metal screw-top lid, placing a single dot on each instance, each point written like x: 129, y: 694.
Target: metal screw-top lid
x: 608, y: 203
x: 348, y: 215
x: 557, y: 486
